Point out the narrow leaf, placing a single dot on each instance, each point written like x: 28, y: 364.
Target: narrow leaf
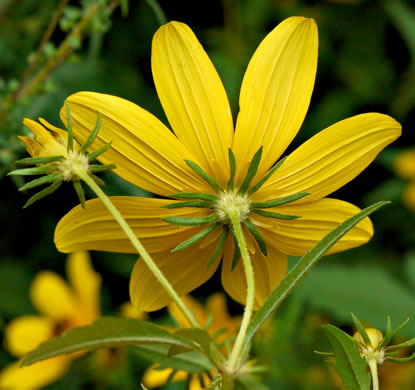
x: 198, y: 336
x: 190, y: 203
x: 388, y: 336
x: 232, y: 163
x: 236, y: 253
x: 361, y: 329
x: 93, y: 155
x: 219, y: 247
x: 271, y: 214
x: 257, y: 235
x: 33, y: 171
x: 101, y: 168
x: 194, y: 195
x: 405, y: 344
x: 349, y: 365
x: 401, y: 360
x: 195, y: 238
x: 261, y: 182
x: 91, y: 138
x: 200, y: 172
x: 280, y: 201
x: 45, y: 192
x: 282, y: 291
x: 42, y: 180
x: 400, y: 327
x: 190, y: 221
x: 109, y: 332
x: 252, y: 170
x: 97, y: 180
x: 38, y: 160
x: 80, y: 192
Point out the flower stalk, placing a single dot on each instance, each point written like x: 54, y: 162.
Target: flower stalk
x: 235, y: 358
x: 373, y: 366
x: 137, y: 244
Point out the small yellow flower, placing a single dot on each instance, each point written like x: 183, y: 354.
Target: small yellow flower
x: 61, y: 306
x: 206, y: 156
x: 371, y: 351
x: 222, y: 328
x: 404, y: 167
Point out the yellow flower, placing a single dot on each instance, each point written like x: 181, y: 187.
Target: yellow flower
x: 61, y: 306
x: 371, y: 351
x: 404, y: 167
x: 222, y: 327
x: 275, y: 95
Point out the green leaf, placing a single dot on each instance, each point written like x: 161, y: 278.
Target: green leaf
x: 349, y: 365
x: 69, y: 127
x: 41, y: 194
x: 219, y: 247
x: 41, y: 180
x: 283, y: 290
x: 101, y: 168
x: 199, y: 337
x: 195, y: 238
x: 109, y: 332
x: 260, y: 183
x: 33, y: 171
x: 280, y: 201
x: 195, y: 195
x: 39, y: 160
x: 190, y: 221
x: 92, y: 156
x: 200, y: 172
x: 91, y: 138
x: 80, y: 192
x: 361, y: 329
x: 271, y: 214
x: 189, y: 203
x: 252, y: 170
x: 232, y: 163
x: 257, y: 235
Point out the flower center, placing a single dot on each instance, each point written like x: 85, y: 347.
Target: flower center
x: 72, y: 163
x: 231, y: 203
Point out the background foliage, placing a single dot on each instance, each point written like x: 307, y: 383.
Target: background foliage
x: 366, y: 63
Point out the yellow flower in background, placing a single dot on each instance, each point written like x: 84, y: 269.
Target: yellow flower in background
x: 214, y: 167
x: 404, y: 167
x: 222, y: 327
x: 61, y: 306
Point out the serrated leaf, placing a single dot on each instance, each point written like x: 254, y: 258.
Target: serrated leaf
x: 110, y: 332
x: 349, y: 365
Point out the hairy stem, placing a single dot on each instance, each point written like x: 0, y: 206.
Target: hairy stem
x: 138, y: 246
x: 374, y: 373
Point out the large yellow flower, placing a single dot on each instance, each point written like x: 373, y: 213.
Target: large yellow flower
x: 62, y: 307
x: 275, y: 96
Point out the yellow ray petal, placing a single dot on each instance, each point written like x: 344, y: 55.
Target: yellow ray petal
x: 145, y: 151
x: 194, y: 306
x: 276, y: 92
x: 154, y: 377
x: 332, y: 158
x: 53, y: 297
x: 193, y: 97
x: 86, y: 283
x: 25, y: 333
x: 295, y: 237
x: 185, y: 270
x: 94, y: 228
x: 268, y: 271
x: 35, y: 376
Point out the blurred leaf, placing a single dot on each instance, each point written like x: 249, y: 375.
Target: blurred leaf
x: 198, y: 336
x: 410, y: 268
x: 368, y: 291
x: 349, y: 365
x: 111, y: 332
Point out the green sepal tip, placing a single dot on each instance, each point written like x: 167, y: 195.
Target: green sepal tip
x: 271, y: 214
x: 42, y: 180
x: 69, y: 127
x: 33, y: 171
x: 191, y: 221
x: 194, y: 195
x: 97, y: 180
x: 405, y: 344
x: 219, y: 247
x: 93, y: 155
x: 91, y: 138
x: 232, y: 164
x: 45, y: 192
x: 361, y: 329
x: 261, y: 182
x: 101, y: 168
x: 190, y: 203
x: 400, y: 360
x: 39, y: 160
x: 388, y: 336
x: 80, y: 192
x: 195, y: 238
x: 257, y: 235
x: 200, y: 172
x: 252, y: 170
x: 280, y: 201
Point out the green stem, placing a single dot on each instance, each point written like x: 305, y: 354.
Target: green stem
x: 235, y: 357
x: 138, y: 246
x: 374, y: 372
